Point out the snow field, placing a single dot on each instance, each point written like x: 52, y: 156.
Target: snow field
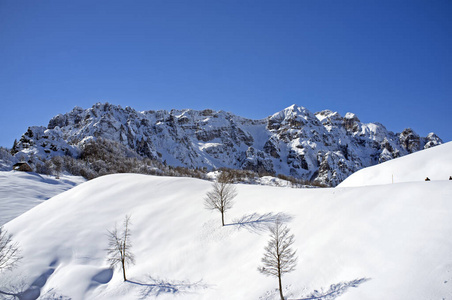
x: 21, y: 191
x: 434, y: 163
x: 396, y: 235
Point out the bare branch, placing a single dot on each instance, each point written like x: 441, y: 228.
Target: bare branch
x: 221, y: 197
x: 279, y: 258
x: 119, y: 247
x: 9, y: 251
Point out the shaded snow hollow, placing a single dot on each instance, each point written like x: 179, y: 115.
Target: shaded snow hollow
x: 383, y: 242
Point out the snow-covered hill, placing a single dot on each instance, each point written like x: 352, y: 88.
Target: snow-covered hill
x: 324, y: 146
x: 376, y: 242
x: 21, y: 191
x: 434, y: 163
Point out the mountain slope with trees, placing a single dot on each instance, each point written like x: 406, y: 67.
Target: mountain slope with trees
x: 324, y: 147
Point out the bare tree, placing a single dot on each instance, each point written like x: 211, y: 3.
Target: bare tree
x: 119, y: 247
x: 279, y: 258
x: 220, y: 198
x: 57, y: 162
x: 9, y: 251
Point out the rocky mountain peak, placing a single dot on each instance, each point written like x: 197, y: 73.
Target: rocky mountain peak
x: 293, y: 117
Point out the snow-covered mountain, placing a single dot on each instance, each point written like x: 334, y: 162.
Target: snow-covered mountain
x: 324, y: 146
x: 389, y: 241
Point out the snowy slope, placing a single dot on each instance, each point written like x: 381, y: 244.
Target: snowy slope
x: 434, y: 163
x: 397, y: 237
x: 20, y: 191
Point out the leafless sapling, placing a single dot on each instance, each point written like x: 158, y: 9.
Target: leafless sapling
x: 57, y: 162
x: 120, y: 247
x: 279, y: 258
x: 222, y: 195
x: 9, y: 251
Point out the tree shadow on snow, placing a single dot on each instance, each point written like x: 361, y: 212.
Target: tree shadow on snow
x: 334, y: 291
x: 155, y: 287
x: 32, y: 292
x: 258, y: 223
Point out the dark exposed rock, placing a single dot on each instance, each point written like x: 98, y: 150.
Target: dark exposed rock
x: 256, y: 160
x: 410, y: 140
x: 271, y: 148
x: 351, y: 122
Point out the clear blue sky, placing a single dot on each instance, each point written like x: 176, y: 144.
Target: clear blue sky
x: 386, y: 61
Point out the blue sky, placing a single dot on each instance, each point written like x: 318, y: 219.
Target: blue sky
x: 386, y: 61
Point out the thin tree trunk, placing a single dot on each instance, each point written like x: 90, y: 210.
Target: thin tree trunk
x: 280, y: 286
x: 222, y: 218
x: 124, y: 270
x: 279, y: 265
x: 124, y: 254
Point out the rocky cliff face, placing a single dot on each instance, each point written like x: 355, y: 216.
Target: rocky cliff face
x: 324, y: 146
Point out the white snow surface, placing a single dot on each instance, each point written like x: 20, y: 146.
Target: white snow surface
x: 389, y: 241
x: 21, y: 191
x: 434, y: 163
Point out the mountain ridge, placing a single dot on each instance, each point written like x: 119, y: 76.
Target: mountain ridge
x: 324, y: 146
